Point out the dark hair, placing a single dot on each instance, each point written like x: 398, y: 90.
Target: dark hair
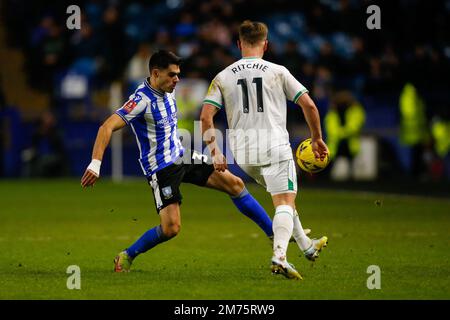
x: 162, y: 59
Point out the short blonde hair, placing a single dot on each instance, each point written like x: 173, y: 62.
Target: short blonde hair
x: 252, y: 32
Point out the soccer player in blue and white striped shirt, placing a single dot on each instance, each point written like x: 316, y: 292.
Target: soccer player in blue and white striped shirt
x: 151, y: 112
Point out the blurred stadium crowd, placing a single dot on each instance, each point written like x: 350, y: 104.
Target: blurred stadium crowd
x: 325, y: 44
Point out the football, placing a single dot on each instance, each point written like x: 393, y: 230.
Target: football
x: 306, y: 160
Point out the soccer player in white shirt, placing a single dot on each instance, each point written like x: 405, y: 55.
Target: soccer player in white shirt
x: 254, y: 93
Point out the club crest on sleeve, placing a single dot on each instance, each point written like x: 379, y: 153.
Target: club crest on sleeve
x: 167, y: 192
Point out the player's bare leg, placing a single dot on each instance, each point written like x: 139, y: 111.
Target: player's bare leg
x: 226, y: 182
x: 170, y: 220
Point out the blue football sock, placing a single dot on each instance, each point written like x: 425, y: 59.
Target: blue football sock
x: 252, y: 209
x: 147, y: 241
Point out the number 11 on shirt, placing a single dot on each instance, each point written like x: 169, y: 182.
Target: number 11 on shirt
x: 259, y: 94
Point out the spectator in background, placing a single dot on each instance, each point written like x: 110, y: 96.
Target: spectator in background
x: 162, y: 38
x: 343, y: 124
x: 390, y: 63
x: 137, y: 67
x: 348, y: 18
x: 217, y: 32
x: 292, y: 59
x: 328, y: 58
x: 322, y: 88
x: 319, y: 18
x: 46, y: 155
x: 307, y: 74
x: 112, y: 37
x: 50, y: 53
x: 220, y: 59
x: 357, y: 66
x: 188, y: 109
x: 41, y: 31
x: 413, y: 128
x: 185, y: 27
x: 83, y: 41
x: 184, y: 33
x: 189, y: 96
x: 375, y: 83
x: 440, y: 130
x: 417, y: 68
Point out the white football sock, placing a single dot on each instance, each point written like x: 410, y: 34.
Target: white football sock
x: 303, y: 241
x: 282, y: 226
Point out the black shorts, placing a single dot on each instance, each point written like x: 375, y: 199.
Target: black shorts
x: 193, y: 168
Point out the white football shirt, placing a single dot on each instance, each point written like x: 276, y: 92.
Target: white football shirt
x: 254, y: 93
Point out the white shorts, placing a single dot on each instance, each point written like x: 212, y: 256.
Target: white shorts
x: 279, y: 177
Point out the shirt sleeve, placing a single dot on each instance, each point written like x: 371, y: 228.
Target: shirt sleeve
x: 292, y: 87
x: 133, y: 108
x: 214, y: 95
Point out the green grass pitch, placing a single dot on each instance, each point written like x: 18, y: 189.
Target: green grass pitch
x: 46, y: 226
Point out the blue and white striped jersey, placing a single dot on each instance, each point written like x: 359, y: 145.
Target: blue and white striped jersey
x: 152, y: 116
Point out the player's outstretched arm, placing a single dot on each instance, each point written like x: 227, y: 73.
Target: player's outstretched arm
x: 92, y: 172
x: 208, y: 134
x: 312, y: 117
